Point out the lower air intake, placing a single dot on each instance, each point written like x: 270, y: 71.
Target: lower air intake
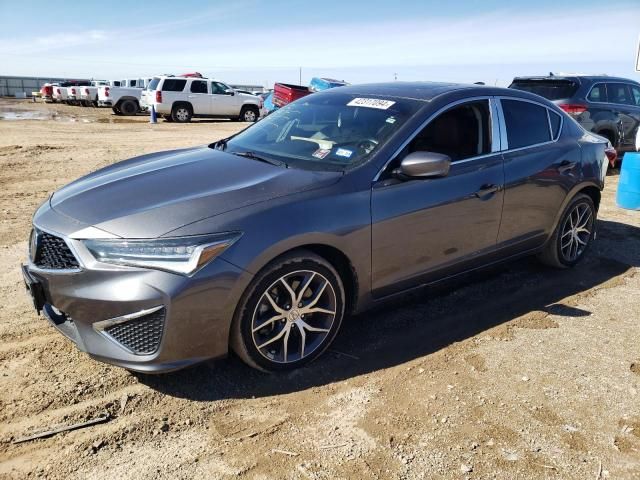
x: 141, y: 335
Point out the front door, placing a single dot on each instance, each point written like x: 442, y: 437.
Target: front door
x: 223, y: 101
x: 428, y: 228
x: 199, y: 98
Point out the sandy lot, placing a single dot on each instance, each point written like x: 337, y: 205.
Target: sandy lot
x: 520, y: 372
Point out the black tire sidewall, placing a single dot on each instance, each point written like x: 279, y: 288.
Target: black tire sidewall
x: 175, y: 109
x: 260, y: 285
x: 128, y: 107
x: 584, y: 199
x: 249, y: 109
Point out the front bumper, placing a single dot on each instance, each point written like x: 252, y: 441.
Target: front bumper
x: 85, y: 304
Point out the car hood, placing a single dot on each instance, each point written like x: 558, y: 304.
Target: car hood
x: 148, y: 196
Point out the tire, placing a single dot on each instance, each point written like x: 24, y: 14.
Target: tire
x: 181, y: 113
x: 83, y: 103
x: 269, y: 303
x: 249, y: 114
x: 573, y: 234
x: 128, y: 107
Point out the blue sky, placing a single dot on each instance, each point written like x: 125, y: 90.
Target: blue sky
x: 261, y: 42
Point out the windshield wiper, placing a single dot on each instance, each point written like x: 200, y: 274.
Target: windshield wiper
x: 253, y: 156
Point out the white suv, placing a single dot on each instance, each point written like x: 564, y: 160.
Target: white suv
x: 180, y: 99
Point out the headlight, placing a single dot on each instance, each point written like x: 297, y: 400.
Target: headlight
x: 183, y: 255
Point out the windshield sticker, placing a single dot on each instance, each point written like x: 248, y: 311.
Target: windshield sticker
x: 343, y: 152
x: 320, y: 153
x: 370, y: 103
x: 391, y: 120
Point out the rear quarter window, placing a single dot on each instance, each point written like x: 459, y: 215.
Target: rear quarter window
x: 153, y: 84
x: 526, y: 123
x: 555, y: 121
x: 549, y: 89
x: 173, y: 85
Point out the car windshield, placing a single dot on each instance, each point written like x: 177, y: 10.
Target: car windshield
x: 549, y: 89
x: 330, y: 130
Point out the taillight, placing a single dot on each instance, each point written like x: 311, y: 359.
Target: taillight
x: 86, y: 91
x: 106, y: 91
x: 158, y: 96
x: 573, y: 108
x: 612, y: 155
x: 58, y: 91
x: 73, y: 91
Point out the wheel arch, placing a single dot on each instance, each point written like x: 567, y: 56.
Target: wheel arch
x: 588, y: 188
x: 178, y: 103
x: 332, y: 254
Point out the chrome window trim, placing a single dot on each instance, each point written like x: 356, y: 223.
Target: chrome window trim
x: 62, y: 271
x: 549, y: 113
x: 500, y: 98
x: 431, y: 117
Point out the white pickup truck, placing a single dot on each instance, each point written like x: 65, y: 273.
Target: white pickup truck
x: 123, y: 99
x: 89, y: 94
x: 180, y: 99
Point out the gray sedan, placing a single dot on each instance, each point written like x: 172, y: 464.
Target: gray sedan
x: 265, y: 242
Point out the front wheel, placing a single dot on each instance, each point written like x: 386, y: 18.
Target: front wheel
x: 290, y: 313
x: 249, y: 114
x: 573, y: 235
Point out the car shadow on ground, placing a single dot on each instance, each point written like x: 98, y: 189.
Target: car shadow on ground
x: 423, y: 322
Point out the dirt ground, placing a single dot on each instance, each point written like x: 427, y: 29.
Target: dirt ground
x: 520, y: 372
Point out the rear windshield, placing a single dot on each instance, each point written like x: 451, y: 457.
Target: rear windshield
x: 549, y: 89
x: 153, y: 83
x: 173, y: 85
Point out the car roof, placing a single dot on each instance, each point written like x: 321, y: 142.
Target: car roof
x: 426, y: 91
x: 578, y: 77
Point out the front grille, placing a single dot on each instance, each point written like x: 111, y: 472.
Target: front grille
x: 53, y: 253
x: 142, y: 335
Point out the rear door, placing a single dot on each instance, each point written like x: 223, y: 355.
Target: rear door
x: 540, y: 165
x: 427, y: 228
x: 199, y: 97
x: 623, y: 100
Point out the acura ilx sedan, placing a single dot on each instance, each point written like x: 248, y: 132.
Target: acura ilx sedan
x: 264, y: 242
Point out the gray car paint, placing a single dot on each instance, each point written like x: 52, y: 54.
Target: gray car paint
x: 392, y: 236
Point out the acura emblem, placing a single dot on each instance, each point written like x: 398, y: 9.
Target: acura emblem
x: 34, y: 240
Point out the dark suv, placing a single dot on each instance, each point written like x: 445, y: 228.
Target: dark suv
x: 608, y: 106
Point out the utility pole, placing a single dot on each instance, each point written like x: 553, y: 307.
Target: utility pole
x: 300, y: 71
x: 395, y: 77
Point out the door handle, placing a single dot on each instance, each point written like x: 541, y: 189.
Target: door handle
x: 566, y: 166
x: 487, y: 190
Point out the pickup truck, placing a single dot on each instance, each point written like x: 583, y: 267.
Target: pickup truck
x: 89, y: 94
x: 180, y: 99
x: 46, y: 92
x: 122, y: 100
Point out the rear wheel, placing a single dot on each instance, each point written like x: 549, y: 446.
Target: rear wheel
x: 573, y: 235
x: 249, y: 114
x: 181, y: 113
x: 290, y: 313
x: 128, y: 107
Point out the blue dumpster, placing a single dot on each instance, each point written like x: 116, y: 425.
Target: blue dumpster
x: 629, y: 184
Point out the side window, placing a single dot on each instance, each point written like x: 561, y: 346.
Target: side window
x: 462, y: 132
x: 173, y: 85
x: 635, y: 94
x: 598, y: 93
x: 133, y: 83
x: 216, y: 88
x: 198, y: 86
x: 554, y: 121
x: 618, y: 93
x: 526, y: 123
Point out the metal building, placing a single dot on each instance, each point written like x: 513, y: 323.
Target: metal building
x: 11, y: 86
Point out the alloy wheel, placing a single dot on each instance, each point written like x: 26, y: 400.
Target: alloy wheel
x: 294, y: 316
x: 576, y: 232
x: 249, y: 116
x: 182, y: 114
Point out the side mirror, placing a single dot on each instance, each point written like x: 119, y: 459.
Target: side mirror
x: 425, y: 165
x: 229, y: 91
